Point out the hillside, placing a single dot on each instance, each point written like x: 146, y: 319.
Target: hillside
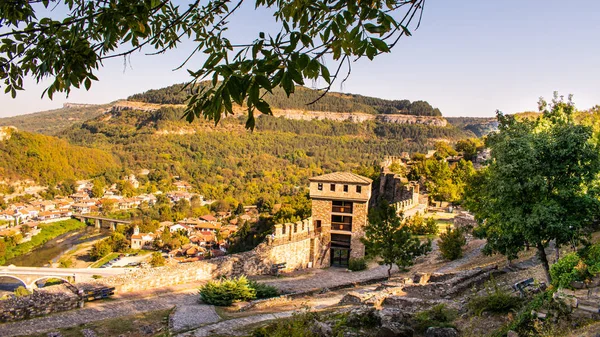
x: 332, y: 102
x: 480, y: 126
x: 51, y: 121
x: 228, y: 161
x: 48, y: 160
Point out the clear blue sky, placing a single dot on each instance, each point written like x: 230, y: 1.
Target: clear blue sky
x: 469, y: 58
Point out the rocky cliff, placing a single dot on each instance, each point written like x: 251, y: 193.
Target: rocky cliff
x: 358, y: 117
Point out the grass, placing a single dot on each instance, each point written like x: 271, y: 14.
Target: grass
x: 123, y: 326
x: 105, y: 259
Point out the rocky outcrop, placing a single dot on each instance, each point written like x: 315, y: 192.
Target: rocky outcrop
x: 359, y: 117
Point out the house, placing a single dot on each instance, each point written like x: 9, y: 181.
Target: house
x: 180, y: 227
x: 339, y: 213
x: 182, y: 186
x: 201, y: 225
x: 141, y: 240
x: 207, y: 218
x: 79, y: 196
x: 81, y: 208
x: 178, y: 195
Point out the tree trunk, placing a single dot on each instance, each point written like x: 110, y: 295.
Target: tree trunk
x: 544, y: 259
x: 390, y: 271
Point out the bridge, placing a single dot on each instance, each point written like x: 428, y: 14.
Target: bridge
x: 29, y: 276
x: 99, y: 221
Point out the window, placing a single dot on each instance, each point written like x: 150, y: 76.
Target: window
x: 338, y: 206
x: 332, y: 187
x: 320, y: 186
x: 345, y: 188
x: 358, y: 189
x: 318, y: 223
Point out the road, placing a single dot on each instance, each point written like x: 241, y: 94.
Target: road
x: 66, y: 271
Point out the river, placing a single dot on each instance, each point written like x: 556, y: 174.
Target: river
x: 55, y: 248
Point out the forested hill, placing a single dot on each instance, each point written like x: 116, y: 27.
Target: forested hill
x: 52, y: 121
x: 227, y: 160
x: 332, y: 102
x: 48, y: 160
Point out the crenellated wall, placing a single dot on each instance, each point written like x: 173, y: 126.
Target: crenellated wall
x: 292, y: 243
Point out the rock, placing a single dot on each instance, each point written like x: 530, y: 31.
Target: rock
x: 512, y: 333
x: 577, y: 284
x: 363, y: 317
x: 441, y: 332
x: 351, y: 298
x: 321, y: 329
x: 395, y: 330
x: 88, y: 333
x: 393, y: 315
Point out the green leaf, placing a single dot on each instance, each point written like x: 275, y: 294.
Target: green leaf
x: 380, y: 45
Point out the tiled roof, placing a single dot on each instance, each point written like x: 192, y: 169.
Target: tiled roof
x: 342, y: 177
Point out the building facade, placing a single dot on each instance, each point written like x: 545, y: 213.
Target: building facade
x: 340, y: 203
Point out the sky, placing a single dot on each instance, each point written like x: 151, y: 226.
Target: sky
x: 468, y: 58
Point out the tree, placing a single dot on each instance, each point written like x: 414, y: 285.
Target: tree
x: 468, y: 147
x: 25, y: 229
x: 539, y: 186
x: 393, y: 242
x: 451, y: 243
x: 157, y: 260
x: 100, y: 249
x: 239, y: 210
x: 71, y: 49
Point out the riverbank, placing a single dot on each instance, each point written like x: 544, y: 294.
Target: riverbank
x: 48, y: 232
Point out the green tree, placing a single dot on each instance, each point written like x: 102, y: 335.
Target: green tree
x: 539, y: 186
x: 239, y: 209
x: 71, y: 49
x: 157, y: 260
x: 451, y: 243
x: 100, y: 249
x: 386, y: 237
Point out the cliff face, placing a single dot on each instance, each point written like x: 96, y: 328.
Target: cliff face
x: 358, y: 117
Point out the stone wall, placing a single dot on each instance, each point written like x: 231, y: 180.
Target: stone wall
x: 294, y: 246
x: 42, y: 302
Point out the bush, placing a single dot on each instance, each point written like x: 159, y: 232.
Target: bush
x: 495, y: 300
x: 357, y: 264
x: 157, y: 260
x: 438, y: 316
x: 226, y: 291
x: 592, y: 259
x: 22, y: 291
x: 565, y: 270
x: 451, y: 243
x: 420, y: 226
x: 263, y: 290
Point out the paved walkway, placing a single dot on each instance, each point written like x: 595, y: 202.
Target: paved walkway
x: 327, y: 278
x: 189, y: 314
x: 96, y: 311
x: 235, y: 327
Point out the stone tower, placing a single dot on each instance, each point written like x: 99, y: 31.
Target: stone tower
x: 339, y: 211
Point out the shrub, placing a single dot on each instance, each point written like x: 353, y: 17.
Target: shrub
x: 451, y: 243
x: 592, y: 259
x: 357, y: 264
x: 263, y: 290
x: 565, y: 270
x: 226, y: 291
x: 299, y: 325
x: 22, y: 291
x: 157, y: 260
x: 495, y: 300
x: 438, y: 316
